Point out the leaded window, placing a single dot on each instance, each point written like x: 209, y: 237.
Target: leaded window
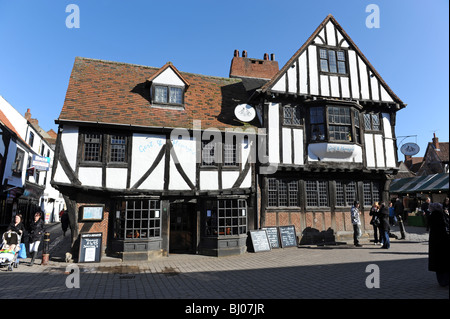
x: 339, y: 122
x: 372, y: 122
x: 332, y: 61
x: 317, y: 193
x: 317, y: 120
x: 292, y: 115
x: 138, y: 219
x: 345, y: 193
x: 209, y: 153
x: 92, y: 147
x: 168, y: 95
x: 282, y: 193
x: 230, y: 154
x: 118, y: 148
x: 371, y: 192
x: 226, y: 217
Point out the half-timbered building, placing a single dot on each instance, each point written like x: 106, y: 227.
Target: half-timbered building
x: 141, y: 158
x: 330, y: 121
x: 158, y: 161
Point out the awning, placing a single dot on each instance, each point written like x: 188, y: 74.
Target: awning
x: 428, y: 183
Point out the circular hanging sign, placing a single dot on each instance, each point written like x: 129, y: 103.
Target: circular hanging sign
x: 245, y: 112
x: 410, y: 149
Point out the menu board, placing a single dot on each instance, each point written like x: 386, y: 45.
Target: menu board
x: 288, y: 237
x: 259, y: 240
x: 90, y: 247
x: 272, y: 234
x: 92, y: 213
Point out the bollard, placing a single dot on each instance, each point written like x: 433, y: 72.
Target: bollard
x: 45, y: 249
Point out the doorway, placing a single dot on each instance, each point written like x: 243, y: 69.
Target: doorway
x: 183, y: 226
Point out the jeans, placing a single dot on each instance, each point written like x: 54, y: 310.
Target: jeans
x: 385, y: 240
x: 356, y: 234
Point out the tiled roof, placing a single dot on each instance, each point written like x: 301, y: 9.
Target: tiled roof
x: 119, y: 93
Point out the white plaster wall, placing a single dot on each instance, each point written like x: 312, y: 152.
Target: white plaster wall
x: 274, y: 132
x: 168, y: 77
x: 229, y: 178
x: 370, y: 153
x: 379, y: 145
x: 90, y: 176
x: 145, y: 149
x: 287, y: 145
x: 298, y: 147
x: 209, y: 180
x: 116, y: 178
x: 69, y: 139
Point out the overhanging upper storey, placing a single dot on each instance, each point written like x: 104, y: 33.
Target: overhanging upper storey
x: 330, y: 65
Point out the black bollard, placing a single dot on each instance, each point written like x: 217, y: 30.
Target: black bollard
x: 402, y: 227
x: 45, y: 249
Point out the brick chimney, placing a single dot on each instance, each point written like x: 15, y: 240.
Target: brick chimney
x: 253, y: 68
x: 28, y: 115
x: 435, y: 141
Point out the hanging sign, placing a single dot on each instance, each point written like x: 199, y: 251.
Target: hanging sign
x: 410, y: 149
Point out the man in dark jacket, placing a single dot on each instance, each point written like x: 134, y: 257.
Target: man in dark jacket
x: 383, y: 214
x: 36, y: 233
x: 439, y: 244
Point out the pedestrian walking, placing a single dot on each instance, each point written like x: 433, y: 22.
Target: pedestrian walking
x: 426, y: 212
x: 385, y: 227
x: 375, y: 222
x: 439, y: 243
x: 356, y: 221
x: 36, y: 233
x: 64, y: 222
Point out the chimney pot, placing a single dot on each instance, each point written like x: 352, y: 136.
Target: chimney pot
x: 266, y: 56
x: 236, y: 53
x: 272, y: 57
x: 435, y: 141
x: 244, y: 54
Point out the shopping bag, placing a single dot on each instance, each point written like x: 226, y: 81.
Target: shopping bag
x: 22, y: 252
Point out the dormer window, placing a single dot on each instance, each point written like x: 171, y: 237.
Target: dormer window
x: 168, y: 95
x: 168, y: 87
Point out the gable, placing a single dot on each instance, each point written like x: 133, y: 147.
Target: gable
x: 302, y: 74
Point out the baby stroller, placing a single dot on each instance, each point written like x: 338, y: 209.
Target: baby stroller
x: 9, y: 251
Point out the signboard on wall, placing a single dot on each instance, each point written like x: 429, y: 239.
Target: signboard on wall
x: 92, y: 213
x: 40, y: 163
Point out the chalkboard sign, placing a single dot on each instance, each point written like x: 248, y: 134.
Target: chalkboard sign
x: 259, y: 240
x: 287, y: 236
x: 272, y: 234
x: 90, y: 247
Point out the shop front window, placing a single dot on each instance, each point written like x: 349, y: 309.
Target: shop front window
x: 138, y: 219
x: 226, y: 217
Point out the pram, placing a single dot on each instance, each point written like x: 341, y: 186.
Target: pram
x: 9, y: 251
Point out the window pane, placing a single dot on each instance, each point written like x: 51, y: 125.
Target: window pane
x: 311, y: 194
x: 341, y: 67
x: 375, y: 122
x: 208, y: 153
x: 316, y: 115
x: 340, y: 55
x: 293, y: 191
x: 339, y: 133
x: 176, y: 95
x: 324, y: 65
x: 367, y: 122
x: 296, y: 119
x: 282, y: 193
x: 230, y: 154
x: 92, y: 147
x: 287, y: 110
x: 318, y: 132
x: 323, y: 193
x: 272, y: 201
x: 332, y: 61
x: 323, y: 54
x: 356, y: 117
x: 118, y: 146
x: 340, y: 199
x: 160, y: 94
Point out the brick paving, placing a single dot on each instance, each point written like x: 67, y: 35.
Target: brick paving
x: 311, y: 272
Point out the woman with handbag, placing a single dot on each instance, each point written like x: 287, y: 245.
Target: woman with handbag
x: 375, y: 222
x: 383, y: 215
x: 36, y: 233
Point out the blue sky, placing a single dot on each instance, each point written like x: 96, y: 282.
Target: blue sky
x: 410, y: 50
